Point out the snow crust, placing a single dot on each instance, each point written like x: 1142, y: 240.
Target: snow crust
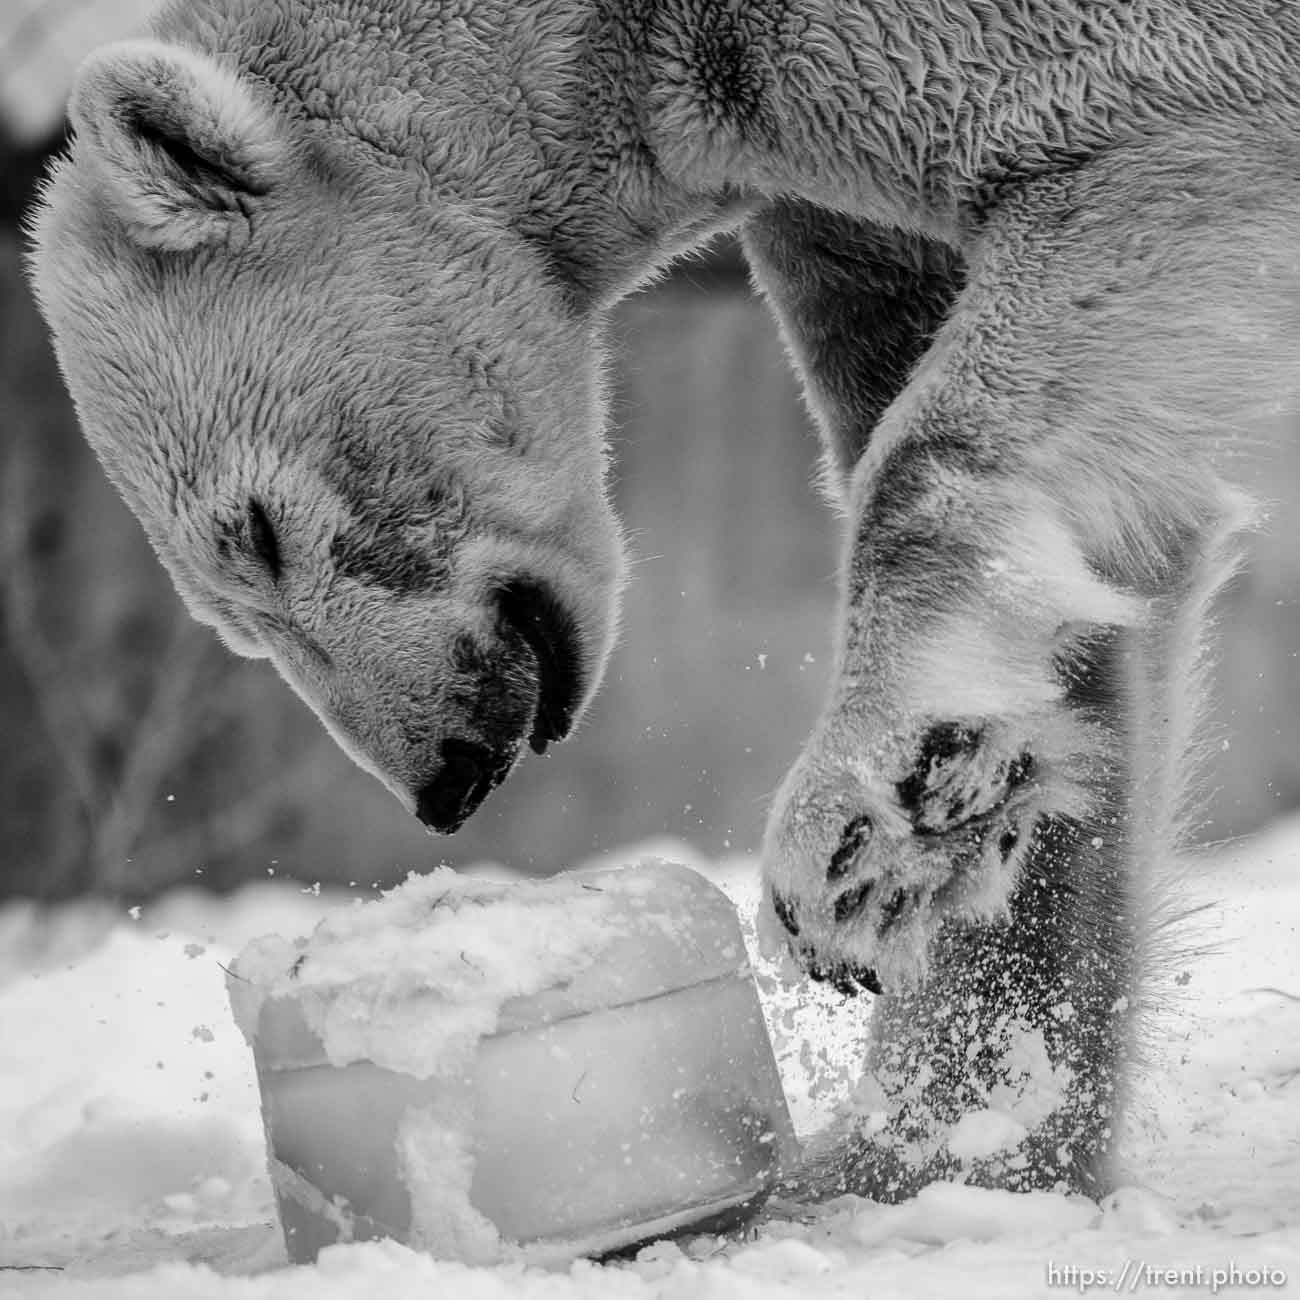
x: 412, y: 980
x: 131, y: 1151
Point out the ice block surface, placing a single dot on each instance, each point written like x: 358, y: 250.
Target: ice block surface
x: 474, y: 1066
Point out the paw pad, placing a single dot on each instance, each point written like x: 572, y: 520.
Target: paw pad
x: 852, y: 901
x: 958, y: 776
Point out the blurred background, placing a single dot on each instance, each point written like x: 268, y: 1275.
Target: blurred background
x: 136, y: 753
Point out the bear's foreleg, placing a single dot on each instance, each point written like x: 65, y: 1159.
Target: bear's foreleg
x: 1009, y: 1064
x: 1038, y: 525
x: 1005, y: 1066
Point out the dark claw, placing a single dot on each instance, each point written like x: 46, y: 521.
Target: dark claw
x: 784, y: 910
x: 847, y: 981
x: 857, y: 835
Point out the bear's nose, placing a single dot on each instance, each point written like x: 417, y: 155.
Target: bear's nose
x: 468, y: 773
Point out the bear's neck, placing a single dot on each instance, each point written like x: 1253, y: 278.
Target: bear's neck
x: 612, y: 134
x: 532, y: 111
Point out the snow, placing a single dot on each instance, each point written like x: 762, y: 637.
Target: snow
x: 412, y: 980
x: 132, y: 1163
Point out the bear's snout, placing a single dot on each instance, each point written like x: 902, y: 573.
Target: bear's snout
x: 469, y: 773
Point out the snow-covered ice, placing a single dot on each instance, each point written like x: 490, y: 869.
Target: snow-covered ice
x: 531, y: 1070
x: 132, y: 1163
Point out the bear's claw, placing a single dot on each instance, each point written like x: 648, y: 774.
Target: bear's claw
x: 856, y: 837
x: 846, y: 978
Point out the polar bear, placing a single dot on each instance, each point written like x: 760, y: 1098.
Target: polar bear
x: 328, y: 283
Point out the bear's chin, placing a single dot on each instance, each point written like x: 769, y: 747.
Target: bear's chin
x: 531, y: 613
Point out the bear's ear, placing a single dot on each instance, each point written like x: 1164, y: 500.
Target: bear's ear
x: 183, y: 142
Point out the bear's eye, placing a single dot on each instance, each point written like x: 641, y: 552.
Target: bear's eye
x: 262, y: 539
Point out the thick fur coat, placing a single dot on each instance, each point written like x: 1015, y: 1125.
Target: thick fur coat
x: 328, y: 282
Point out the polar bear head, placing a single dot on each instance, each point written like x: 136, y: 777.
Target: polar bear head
x: 359, y: 423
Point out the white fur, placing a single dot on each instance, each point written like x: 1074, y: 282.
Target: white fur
x: 219, y: 114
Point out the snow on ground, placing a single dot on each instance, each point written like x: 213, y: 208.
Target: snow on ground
x: 131, y: 1158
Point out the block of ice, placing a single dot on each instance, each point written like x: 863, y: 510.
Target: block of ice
x: 542, y: 1069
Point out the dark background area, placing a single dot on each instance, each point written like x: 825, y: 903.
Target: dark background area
x: 136, y: 753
